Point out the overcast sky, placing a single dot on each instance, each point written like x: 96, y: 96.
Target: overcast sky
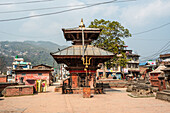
x: 137, y: 16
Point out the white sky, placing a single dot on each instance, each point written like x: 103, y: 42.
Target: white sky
x: 137, y: 16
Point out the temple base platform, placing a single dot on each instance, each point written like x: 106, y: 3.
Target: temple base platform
x: 163, y: 95
x: 80, y: 90
x: 112, y: 83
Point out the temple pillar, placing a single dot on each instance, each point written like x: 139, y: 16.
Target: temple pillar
x: 92, y: 81
x: 86, y: 81
x: 74, y: 79
x: 161, y: 85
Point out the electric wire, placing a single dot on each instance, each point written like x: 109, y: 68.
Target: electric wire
x: 58, y: 12
x: 39, y: 9
x: 20, y: 35
x: 167, y: 50
x: 29, y: 2
x: 57, y: 7
x: 158, y: 52
x: 153, y: 56
x: 152, y: 29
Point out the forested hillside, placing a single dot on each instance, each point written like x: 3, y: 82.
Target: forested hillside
x: 31, y: 51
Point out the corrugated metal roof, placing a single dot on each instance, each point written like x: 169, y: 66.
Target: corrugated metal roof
x: 142, y: 64
x: 78, y: 50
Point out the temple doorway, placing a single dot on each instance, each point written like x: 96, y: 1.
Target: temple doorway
x: 82, y: 80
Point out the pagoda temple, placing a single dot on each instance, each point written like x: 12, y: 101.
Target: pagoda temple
x: 81, y: 58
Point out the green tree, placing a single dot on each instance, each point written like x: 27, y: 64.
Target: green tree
x: 110, y: 39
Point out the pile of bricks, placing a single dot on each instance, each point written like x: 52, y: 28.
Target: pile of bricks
x: 4, y: 85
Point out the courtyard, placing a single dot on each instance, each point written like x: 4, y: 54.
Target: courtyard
x: 114, y: 101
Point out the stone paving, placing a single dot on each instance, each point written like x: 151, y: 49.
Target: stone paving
x: 114, y: 101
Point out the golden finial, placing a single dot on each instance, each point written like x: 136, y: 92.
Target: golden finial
x: 81, y: 24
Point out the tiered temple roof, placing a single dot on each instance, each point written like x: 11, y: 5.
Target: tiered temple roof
x: 72, y: 56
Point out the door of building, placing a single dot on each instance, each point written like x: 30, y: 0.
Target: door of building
x: 82, y: 80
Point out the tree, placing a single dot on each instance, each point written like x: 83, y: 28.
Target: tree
x: 110, y: 39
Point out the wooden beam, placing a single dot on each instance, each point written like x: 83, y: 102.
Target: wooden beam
x: 97, y: 32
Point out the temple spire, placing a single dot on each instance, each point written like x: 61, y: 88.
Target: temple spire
x: 81, y: 24
x: 76, y: 34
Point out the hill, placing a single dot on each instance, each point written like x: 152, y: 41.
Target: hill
x: 50, y: 46
x: 31, y: 51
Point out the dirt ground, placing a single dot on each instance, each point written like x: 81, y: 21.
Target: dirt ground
x: 114, y: 101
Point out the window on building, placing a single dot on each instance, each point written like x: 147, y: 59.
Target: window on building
x: 23, y: 74
x: 133, y: 65
x: 136, y: 66
x: 116, y: 68
x: 39, y: 74
x: 129, y: 65
x: 136, y: 59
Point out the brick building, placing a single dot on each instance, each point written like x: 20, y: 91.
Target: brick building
x: 145, y: 69
x: 132, y: 64
x: 3, y: 78
x: 37, y: 75
x: 167, y: 75
x: 164, y: 58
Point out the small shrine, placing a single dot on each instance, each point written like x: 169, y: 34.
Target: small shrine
x: 164, y: 93
x: 167, y: 75
x: 81, y: 58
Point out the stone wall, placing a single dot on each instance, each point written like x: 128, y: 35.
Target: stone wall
x: 163, y: 95
x: 4, y: 85
x: 113, y: 83
x: 17, y: 90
